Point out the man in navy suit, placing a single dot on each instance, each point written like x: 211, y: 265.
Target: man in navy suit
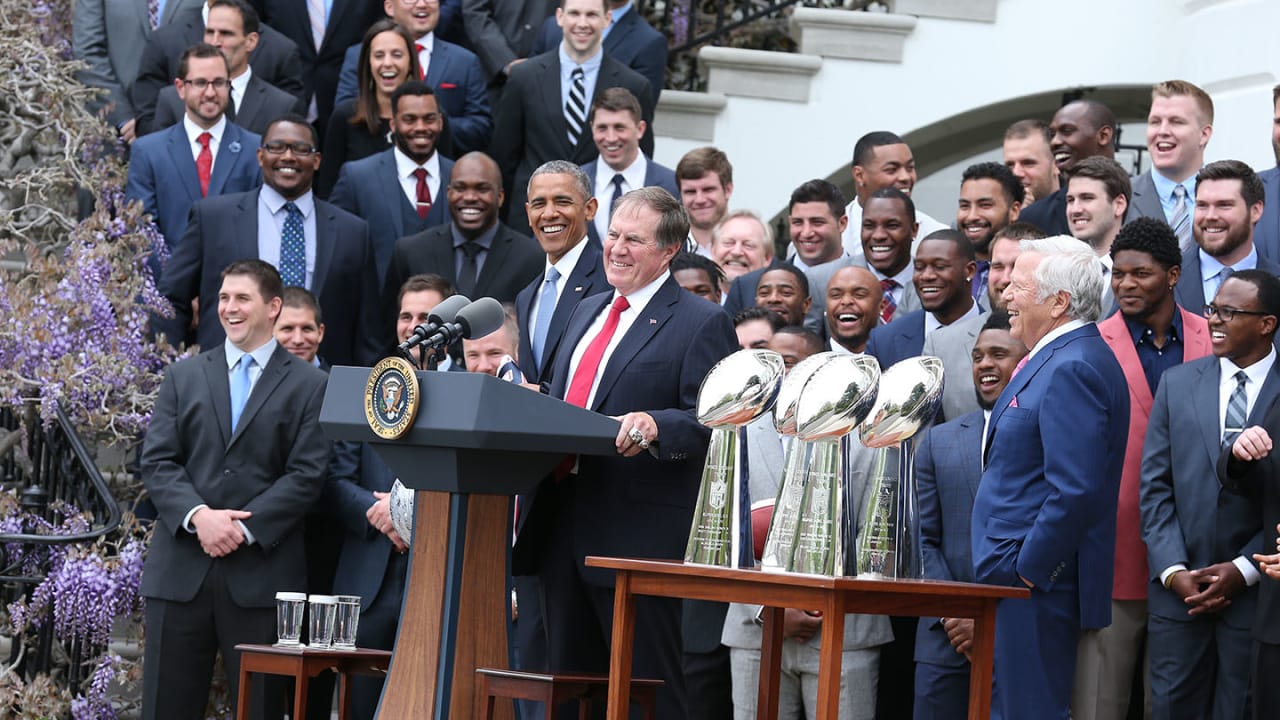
x: 638, y: 353
x: 948, y: 468
x: 1267, y: 232
x: 1081, y: 129
x: 451, y: 70
x: 628, y: 38
x: 617, y: 124
x: 1044, y: 515
x: 313, y: 243
x: 398, y: 191
x: 202, y: 156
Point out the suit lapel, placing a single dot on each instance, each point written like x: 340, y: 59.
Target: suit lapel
x: 184, y: 164
x: 1016, y: 385
x: 581, y: 284
x: 655, y: 315
x: 271, y: 376
x: 572, y: 336
x: 910, y: 301
x: 215, y: 372
x: 619, y: 32
x: 437, y: 65
x: 1204, y: 396
x: 1115, y: 333
x: 1195, y: 336
x: 326, y: 244
x: 229, y: 151
x: 1190, y: 289
x: 1266, y: 396
x: 971, y: 462
x: 397, y: 203
x: 246, y: 224
x: 252, y: 102
x: 553, y: 112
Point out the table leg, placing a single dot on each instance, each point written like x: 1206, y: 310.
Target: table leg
x: 242, y: 701
x: 829, y: 660
x: 770, y: 663
x: 624, y: 627
x: 984, y: 650
x: 300, y: 682
x: 344, y: 695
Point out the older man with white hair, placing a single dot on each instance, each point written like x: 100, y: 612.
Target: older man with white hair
x: 1044, y: 515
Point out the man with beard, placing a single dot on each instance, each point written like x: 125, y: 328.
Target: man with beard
x: 1097, y: 195
x: 397, y: 191
x: 1267, y: 231
x: 854, y: 299
x: 880, y: 160
x: 990, y: 198
x: 1081, y: 129
x: 948, y: 468
x: 1027, y: 154
x: 741, y: 243
x: 888, y: 229
x: 1227, y: 206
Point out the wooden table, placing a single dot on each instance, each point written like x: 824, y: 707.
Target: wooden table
x: 833, y: 596
x: 304, y: 663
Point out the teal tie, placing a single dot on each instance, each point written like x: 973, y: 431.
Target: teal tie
x: 240, y: 387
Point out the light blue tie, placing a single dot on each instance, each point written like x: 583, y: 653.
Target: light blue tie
x: 240, y: 387
x: 293, y: 248
x: 546, y: 308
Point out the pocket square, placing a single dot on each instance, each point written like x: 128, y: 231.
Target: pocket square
x: 1014, y: 402
x: 448, y: 86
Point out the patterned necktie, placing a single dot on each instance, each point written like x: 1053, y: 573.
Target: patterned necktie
x: 153, y: 13
x: 204, y: 163
x: 424, y: 193
x: 316, y: 15
x: 467, y: 275
x: 422, y: 67
x: 890, y: 305
x: 575, y: 111
x: 617, y: 193
x: 589, y: 365
x: 546, y: 308
x: 980, y: 278
x: 1182, y: 218
x: 1237, y: 410
x: 293, y: 248
x: 240, y: 387
x: 1222, y: 276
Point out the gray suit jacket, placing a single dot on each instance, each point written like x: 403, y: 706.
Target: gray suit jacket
x: 1145, y: 202
x: 953, y: 344
x: 262, y: 103
x: 503, y: 30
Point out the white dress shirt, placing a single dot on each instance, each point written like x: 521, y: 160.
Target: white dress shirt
x: 409, y: 182
x: 428, y: 44
x: 271, y: 218
x: 632, y: 178
x: 638, y: 300
x: 238, y: 86
x: 194, y: 132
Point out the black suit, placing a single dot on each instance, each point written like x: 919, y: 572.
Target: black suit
x: 275, y: 60
x: 1048, y: 213
x: 631, y: 41
x: 587, y: 279
x: 272, y: 465
x: 261, y: 104
x: 224, y: 229
x: 530, y: 129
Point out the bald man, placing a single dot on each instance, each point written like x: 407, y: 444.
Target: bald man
x: 854, y: 302
x: 1081, y: 129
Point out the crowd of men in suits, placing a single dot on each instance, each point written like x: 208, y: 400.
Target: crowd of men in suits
x: 1057, y: 297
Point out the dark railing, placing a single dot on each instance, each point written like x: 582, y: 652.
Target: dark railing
x: 53, y: 469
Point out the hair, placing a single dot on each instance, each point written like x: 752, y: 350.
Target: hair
x: 963, y: 246
x: 1106, y: 171
x: 422, y: 283
x: 202, y: 51
x: 1250, y: 186
x: 767, y: 230
x: 802, y: 280
x: 1009, y: 183
x: 414, y: 88
x: 302, y: 299
x: 685, y: 260
x: 996, y: 320
x: 511, y: 324
x: 248, y: 16
x: 820, y: 191
x: 810, y: 338
x: 867, y: 144
x: 758, y: 313
x: 1182, y: 88
x: 703, y: 160
x: 366, y: 110
x: 564, y: 167
x: 1018, y: 231
x: 1070, y: 266
x: 293, y: 119
x: 1027, y: 128
x: 604, y: 3
x: 673, y: 219
x: 264, y: 274
x: 893, y: 193
x: 1275, y: 94
x: 1153, y: 237
x: 1268, y: 289
x: 616, y: 99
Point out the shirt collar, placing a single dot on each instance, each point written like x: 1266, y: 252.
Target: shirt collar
x: 194, y: 130
x: 567, y: 262
x: 1138, y: 331
x: 485, y: 240
x: 617, y: 13
x: 428, y: 43
x: 1210, y: 266
x: 591, y: 65
x: 1056, y: 333
x: 275, y: 202
x: 903, y: 278
x: 640, y: 298
x: 1165, y: 186
x: 261, y: 354
x: 633, y: 173
x: 800, y: 263
x: 932, y: 323
x: 241, y: 83
x: 405, y: 166
x: 1257, y: 372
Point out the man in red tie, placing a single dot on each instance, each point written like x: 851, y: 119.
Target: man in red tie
x: 637, y: 353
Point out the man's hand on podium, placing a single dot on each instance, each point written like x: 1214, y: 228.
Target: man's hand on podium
x: 379, y: 516
x: 637, y: 433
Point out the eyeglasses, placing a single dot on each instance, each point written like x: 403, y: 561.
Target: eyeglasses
x: 1227, y: 314
x: 202, y: 84
x: 278, y: 147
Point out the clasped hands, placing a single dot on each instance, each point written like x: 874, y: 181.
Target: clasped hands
x: 218, y: 530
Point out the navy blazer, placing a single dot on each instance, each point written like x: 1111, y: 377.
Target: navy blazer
x: 1266, y: 233
x: 1189, y: 292
x: 654, y: 175
x: 1185, y: 518
x: 1049, y: 213
x: 163, y: 177
x: 1048, y: 509
x: 455, y: 76
x: 948, y: 468
x: 369, y: 188
x: 355, y: 474
x: 631, y: 41
x: 586, y: 280
x: 901, y: 339
x: 225, y: 229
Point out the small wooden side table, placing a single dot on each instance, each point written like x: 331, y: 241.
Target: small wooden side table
x: 552, y: 689
x: 304, y: 663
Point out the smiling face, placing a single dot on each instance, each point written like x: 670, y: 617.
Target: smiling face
x: 1032, y: 163
x: 779, y: 291
x: 854, y: 300
x: 475, y: 194
x: 699, y: 283
x: 246, y: 316
x: 583, y: 23
x: 287, y: 173
x: 753, y: 334
x: 298, y: 332
x: 632, y: 257
x: 816, y: 233
x: 558, y: 213
x: 1176, y: 136
x: 416, y: 123
x: 389, y: 62
x: 889, y: 166
x: 995, y: 356
x: 942, y: 279
x: 1091, y: 216
x: 1247, y: 338
x: 415, y: 309
x: 485, y: 354
x: 419, y: 17
x: 1076, y: 136
x: 1223, y: 223
x: 1141, y: 286
x: 205, y: 107
x: 706, y: 199
x: 617, y: 136
x: 984, y: 210
x: 1003, y: 252
x: 1029, y: 318
x: 887, y: 232
x: 740, y: 247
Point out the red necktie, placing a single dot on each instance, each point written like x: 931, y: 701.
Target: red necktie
x: 424, y: 193
x: 886, y: 314
x: 422, y: 69
x: 585, y: 376
x: 204, y: 163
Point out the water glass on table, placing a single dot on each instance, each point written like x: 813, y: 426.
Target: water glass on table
x: 323, y: 610
x: 289, y: 606
x: 346, y: 621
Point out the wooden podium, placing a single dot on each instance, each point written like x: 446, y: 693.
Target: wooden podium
x: 476, y: 441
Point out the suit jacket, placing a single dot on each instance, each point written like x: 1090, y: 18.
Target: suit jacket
x: 903, y: 338
x: 106, y: 35
x: 631, y: 41
x: 953, y: 344
x: 1146, y: 201
x: 1186, y: 519
x: 225, y: 229
x: 1189, y: 292
x: 948, y: 468
x: 512, y: 262
x: 639, y: 506
x: 356, y: 473
x: 586, y: 280
x: 273, y: 466
x: 1266, y: 233
x: 503, y: 30
x: 1048, y: 213
x: 276, y: 60
x: 262, y: 103
x: 369, y: 188
x: 530, y: 128
x: 1045, y: 509
x: 163, y: 177
x: 459, y: 84
x: 1131, y: 578
x: 654, y: 175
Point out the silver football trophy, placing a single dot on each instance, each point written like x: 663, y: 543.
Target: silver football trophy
x: 910, y: 394
x: 738, y: 389
x: 836, y: 398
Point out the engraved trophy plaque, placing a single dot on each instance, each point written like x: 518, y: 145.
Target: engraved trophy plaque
x: 910, y: 394
x: 738, y: 389
x: 836, y: 398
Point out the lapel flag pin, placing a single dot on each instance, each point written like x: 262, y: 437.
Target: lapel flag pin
x: 578, y: 289
x: 653, y: 321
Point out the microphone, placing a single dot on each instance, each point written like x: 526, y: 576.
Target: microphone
x: 443, y: 313
x: 475, y: 320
